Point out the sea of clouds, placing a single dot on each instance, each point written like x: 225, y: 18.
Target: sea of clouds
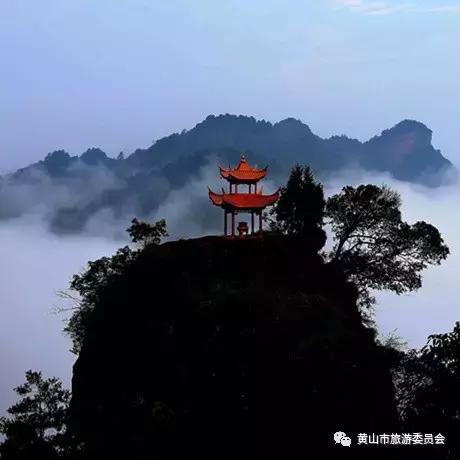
x: 434, y: 308
x: 35, y: 264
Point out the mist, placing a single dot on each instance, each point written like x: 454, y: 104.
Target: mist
x: 37, y: 263
x: 434, y: 307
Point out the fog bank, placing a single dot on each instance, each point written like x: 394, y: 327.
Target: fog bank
x: 34, y: 265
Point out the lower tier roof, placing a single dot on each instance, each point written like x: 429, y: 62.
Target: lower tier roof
x: 243, y: 201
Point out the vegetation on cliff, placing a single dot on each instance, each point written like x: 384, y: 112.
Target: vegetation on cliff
x: 253, y: 346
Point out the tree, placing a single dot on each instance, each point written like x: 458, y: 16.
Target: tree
x: 375, y: 247
x: 427, y: 389
x: 37, y: 423
x: 101, y: 273
x: 89, y: 286
x: 145, y: 233
x: 300, y: 208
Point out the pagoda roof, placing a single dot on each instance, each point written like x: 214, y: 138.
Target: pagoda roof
x: 243, y: 172
x: 243, y: 201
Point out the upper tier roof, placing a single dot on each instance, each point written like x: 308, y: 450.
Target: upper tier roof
x: 243, y: 173
x: 243, y: 201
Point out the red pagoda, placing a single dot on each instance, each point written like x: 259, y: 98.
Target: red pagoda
x: 253, y: 202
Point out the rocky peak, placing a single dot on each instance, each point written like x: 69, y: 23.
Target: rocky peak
x: 93, y: 156
x: 57, y: 156
x: 57, y: 162
x: 413, y: 131
x: 293, y: 128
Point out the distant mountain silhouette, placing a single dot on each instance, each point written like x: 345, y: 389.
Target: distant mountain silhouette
x: 405, y: 150
x: 74, y: 188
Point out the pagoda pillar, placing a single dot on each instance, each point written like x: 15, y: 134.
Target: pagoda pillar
x: 225, y: 223
x: 252, y: 223
x: 260, y: 221
x: 233, y: 223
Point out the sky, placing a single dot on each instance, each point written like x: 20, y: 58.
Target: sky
x: 118, y: 74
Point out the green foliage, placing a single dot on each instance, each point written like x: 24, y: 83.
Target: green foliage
x: 101, y: 273
x: 37, y: 422
x: 197, y: 341
x: 300, y: 208
x: 145, y: 233
x: 392, y: 341
x: 238, y: 344
x: 427, y: 388
x: 90, y: 285
x: 376, y: 248
x: 445, y: 349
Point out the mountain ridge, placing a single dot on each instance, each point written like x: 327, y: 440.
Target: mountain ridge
x: 287, y: 129
x: 74, y: 188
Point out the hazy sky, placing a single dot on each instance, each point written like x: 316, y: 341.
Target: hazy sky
x: 119, y: 73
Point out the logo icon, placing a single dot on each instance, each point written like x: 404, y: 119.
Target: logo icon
x: 341, y: 438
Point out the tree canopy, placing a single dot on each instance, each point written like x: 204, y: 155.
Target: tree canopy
x: 37, y: 422
x: 373, y: 245
x: 376, y: 248
x: 100, y: 273
x: 427, y: 389
x: 145, y: 233
x: 300, y: 208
